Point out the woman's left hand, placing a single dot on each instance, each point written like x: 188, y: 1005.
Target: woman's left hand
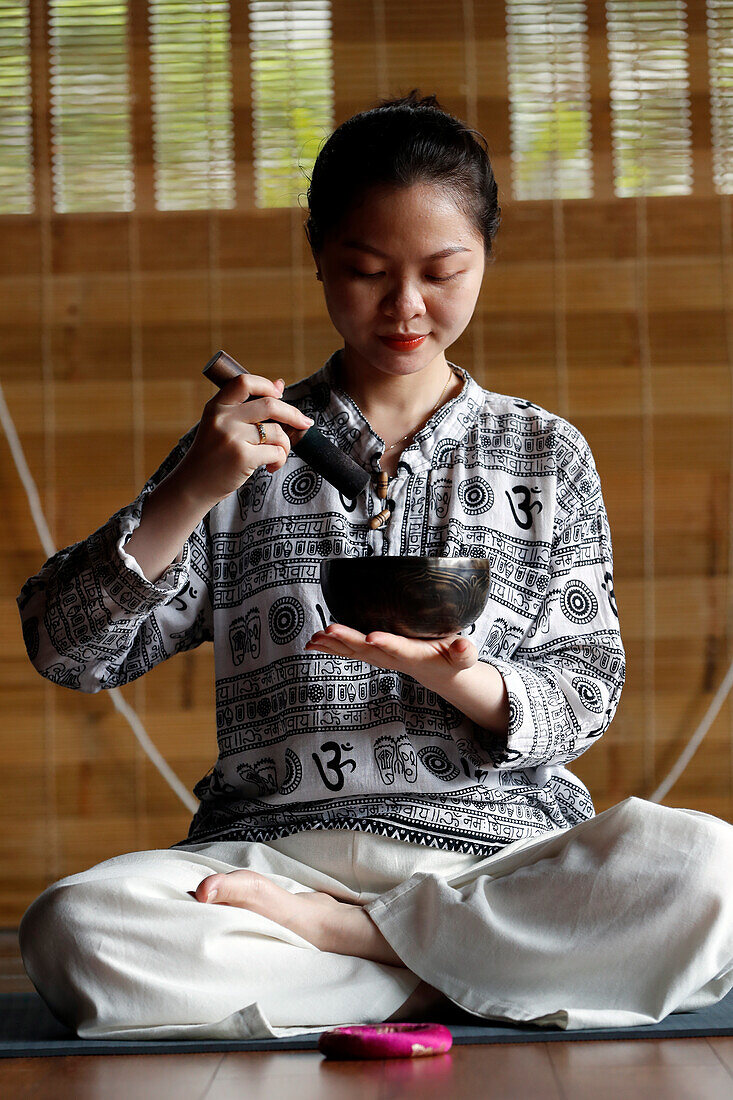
x: 426, y: 659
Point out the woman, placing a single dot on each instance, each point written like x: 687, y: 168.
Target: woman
x: 390, y: 825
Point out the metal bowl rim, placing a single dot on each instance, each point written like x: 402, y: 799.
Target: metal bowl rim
x: 403, y: 557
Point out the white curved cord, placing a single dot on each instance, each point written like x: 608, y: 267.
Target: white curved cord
x: 44, y: 534
x: 136, y: 725
x: 693, y: 744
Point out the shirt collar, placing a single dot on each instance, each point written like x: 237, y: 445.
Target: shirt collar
x: 339, y: 417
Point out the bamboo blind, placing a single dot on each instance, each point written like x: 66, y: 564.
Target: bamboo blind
x: 613, y: 311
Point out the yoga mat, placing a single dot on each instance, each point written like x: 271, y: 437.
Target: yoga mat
x: 28, y: 1030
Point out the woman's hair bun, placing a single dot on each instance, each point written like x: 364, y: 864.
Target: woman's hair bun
x: 402, y: 142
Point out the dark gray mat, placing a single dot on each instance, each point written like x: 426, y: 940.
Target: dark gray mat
x: 28, y: 1030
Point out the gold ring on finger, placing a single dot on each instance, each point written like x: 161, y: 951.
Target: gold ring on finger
x: 261, y: 430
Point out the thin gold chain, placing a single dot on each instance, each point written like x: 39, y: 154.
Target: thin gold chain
x: 414, y: 430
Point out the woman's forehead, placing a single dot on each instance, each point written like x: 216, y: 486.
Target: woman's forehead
x: 422, y: 213
x: 426, y: 198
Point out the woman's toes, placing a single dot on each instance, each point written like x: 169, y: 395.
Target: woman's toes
x: 208, y: 888
x: 329, y: 924
x: 247, y: 889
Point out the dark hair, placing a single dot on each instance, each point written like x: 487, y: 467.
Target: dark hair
x: 400, y: 143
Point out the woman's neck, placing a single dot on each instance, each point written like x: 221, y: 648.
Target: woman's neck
x: 404, y: 400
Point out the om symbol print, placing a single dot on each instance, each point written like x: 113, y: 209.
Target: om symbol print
x: 335, y: 765
x: 523, y: 505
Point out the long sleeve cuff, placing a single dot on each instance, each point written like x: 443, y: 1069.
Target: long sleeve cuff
x: 172, y: 580
x: 535, y: 718
x: 554, y: 716
x: 120, y: 575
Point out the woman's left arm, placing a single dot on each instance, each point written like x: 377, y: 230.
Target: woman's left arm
x: 558, y: 690
x: 564, y: 679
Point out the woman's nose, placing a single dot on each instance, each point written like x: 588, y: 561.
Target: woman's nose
x: 404, y: 301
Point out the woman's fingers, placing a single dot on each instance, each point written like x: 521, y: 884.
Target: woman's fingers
x: 260, y: 398
x: 335, y: 642
x: 272, y: 408
x: 417, y: 657
x: 382, y: 650
x: 243, y: 387
x: 330, y: 642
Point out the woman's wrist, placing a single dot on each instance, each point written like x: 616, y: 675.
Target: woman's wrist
x: 170, y: 513
x: 479, y: 692
x: 183, y: 483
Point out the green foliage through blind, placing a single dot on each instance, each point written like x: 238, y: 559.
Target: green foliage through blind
x: 650, y: 102
x: 292, y: 92
x: 90, y: 106
x: 547, y: 42
x: 720, y: 55
x: 292, y: 84
x: 16, y: 169
x: 192, y: 104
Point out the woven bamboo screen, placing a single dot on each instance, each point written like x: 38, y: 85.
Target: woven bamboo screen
x: 612, y: 309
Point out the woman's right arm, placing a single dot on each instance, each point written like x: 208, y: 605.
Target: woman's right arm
x: 104, y: 611
x: 92, y: 618
x: 223, y: 456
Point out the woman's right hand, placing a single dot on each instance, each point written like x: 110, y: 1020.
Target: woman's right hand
x: 226, y: 449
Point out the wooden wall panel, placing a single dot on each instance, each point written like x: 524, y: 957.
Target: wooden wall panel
x: 615, y: 313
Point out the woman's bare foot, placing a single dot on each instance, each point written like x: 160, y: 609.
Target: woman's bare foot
x: 330, y: 925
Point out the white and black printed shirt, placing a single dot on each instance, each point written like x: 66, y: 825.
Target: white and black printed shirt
x: 308, y: 740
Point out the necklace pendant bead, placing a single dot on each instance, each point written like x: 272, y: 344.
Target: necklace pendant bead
x: 380, y: 520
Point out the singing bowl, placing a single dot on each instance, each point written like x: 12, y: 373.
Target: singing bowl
x: 417, y: 597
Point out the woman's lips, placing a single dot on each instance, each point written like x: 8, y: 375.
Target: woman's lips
x: 403, y: 345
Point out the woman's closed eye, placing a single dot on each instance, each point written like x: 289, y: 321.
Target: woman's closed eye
x: 377, y: 274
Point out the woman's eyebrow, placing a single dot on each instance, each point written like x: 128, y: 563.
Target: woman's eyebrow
x: 375, y: 251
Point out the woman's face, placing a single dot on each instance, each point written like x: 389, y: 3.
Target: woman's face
x: 381, y: 276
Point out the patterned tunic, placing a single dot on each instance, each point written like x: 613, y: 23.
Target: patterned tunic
x: 308, y: 740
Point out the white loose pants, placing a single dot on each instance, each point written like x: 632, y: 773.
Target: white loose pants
x: 618, y: 921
